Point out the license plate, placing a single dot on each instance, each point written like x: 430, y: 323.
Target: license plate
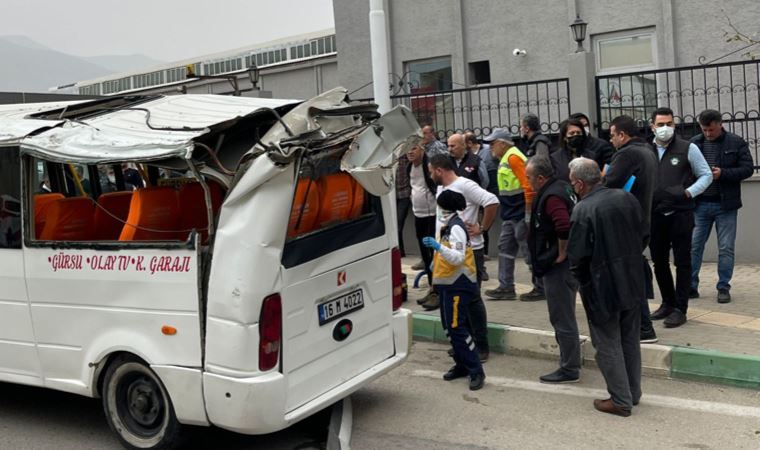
x: 338, y: 307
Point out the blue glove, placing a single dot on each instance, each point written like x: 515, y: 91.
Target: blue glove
x: 431, y: 243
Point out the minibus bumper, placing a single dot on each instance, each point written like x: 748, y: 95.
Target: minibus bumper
x: 256, y: 405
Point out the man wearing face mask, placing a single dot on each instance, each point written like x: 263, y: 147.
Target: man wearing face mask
x: 673, y: 214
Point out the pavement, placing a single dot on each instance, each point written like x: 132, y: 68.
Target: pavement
x: 719, y: 343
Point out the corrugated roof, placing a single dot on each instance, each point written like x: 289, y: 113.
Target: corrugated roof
x: 130, y: 134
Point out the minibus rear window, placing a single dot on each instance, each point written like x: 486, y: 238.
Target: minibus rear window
x: 330, y: 210
x: 10, y: 198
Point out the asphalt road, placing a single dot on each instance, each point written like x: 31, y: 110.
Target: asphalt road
x: 41, y: 419
x: 413, y: 408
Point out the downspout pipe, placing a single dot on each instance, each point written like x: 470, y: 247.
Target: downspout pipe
x: 378, y: 33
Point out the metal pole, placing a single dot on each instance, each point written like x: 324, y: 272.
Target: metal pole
x: 379, y: 46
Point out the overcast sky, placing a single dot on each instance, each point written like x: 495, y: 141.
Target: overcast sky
x: 162, y: 29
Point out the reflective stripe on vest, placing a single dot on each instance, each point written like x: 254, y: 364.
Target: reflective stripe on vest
x: 508, y: 182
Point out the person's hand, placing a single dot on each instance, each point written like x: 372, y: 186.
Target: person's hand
x: 430, y: 242
x: 716, y: 173
x: 560, y: 258
x: 474, y: 229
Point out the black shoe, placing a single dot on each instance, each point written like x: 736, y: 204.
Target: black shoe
x: 426, y: 298
x: 419, y: 266
x: 477, y: 381
x: 533, y: 296
x: 501, y: 294
x: 558, y: 377
x: 485, y: 277
x: 454, y: 373
x: 693, y: 293
x: 675, y: 319
x: 483, y: 356
x: 648, y: 336
x: 661, y: 313
x: 724, y: 296
x: 451, y: 352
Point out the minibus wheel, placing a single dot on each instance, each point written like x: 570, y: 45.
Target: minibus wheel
x: 137, y: 407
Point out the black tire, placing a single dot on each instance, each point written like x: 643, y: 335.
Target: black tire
x: 137, y: 406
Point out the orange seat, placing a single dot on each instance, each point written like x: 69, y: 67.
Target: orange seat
x: 192, y: 206
x: 336, y: 195
x: 153, y: 215
x: 41, y: 204
x: 309, y: 202
x: 358, y: 204
x: 69, y: 219
x: 106, y: 226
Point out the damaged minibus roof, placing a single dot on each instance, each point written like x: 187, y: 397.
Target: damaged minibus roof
x: 158, y: 128
x: 14, y: 125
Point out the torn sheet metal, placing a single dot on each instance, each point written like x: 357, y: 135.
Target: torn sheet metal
x: 373, y: 154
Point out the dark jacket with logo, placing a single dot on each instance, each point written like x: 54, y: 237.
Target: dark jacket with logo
x: 543, y: 242
x: 674, y: 175
x: 432, y: 187
x: 735, y: 164
x: 604, y: 249
x: 469, y: 166
x: 538, y: 144
x: 635, y: 158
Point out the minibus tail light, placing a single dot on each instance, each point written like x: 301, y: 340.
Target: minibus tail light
x: 270, y: 332
x: 398, y: 288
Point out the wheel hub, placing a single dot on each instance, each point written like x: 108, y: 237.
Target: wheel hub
x: 144, y: 402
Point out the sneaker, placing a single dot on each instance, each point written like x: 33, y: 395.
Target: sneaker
x: 558, y: 377
x: 675, y: 319
x: 532, y: 296
x: 419, y: 266
x: 724, y: 296
x: 485, y: 277
x: 693, y: 293
x: 433, y: 302
x: 648, y: 337
x: 477, y: 381
x: 454, y: 373
x: 501, y: 293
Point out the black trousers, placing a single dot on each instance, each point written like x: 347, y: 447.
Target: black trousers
x: 672, y: 232
x: 477, y: 309
x: 425, y: 226
x: 403, y: 205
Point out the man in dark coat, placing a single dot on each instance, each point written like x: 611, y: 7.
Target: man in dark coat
x: 604, y: 249
x: 635, y: 158
x: 536, y: 142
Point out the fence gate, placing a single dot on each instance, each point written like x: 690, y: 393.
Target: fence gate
x: 731, y: 88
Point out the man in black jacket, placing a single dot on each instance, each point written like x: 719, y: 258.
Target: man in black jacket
x: 730, y: 161
x: 466, y: 163
x: 530, y: 129
x: 604, y: 249
x: 634, y: 157
x: 547, y: 243
x: 680, y: 164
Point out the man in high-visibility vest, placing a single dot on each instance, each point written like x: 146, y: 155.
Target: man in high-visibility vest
x: 515, y: 196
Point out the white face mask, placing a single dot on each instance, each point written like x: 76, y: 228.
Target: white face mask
x: 664, y: 133
x: 444, y: 216
x: 588, y: 131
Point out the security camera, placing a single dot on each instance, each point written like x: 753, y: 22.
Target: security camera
x: 518, y: 52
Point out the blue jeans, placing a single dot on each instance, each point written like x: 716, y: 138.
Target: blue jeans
x: 705, y: 214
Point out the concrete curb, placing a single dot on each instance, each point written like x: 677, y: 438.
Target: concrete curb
x: 659, y: 360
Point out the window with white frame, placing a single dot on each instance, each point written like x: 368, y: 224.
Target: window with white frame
x: 625, y: 51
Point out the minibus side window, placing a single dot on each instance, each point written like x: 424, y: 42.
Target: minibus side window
x: 10, y: 198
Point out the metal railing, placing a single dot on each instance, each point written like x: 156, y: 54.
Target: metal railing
x: 480, y: 109
x: 731, y: 88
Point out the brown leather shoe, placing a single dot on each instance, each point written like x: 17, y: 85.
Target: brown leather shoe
x: 608, y: 407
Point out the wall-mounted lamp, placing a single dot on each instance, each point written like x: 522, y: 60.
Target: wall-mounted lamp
x: 578, y: 27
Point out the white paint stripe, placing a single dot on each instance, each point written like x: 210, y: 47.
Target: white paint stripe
x: 647, y: 399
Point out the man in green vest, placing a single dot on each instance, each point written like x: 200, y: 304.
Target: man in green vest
x: 514, y: 194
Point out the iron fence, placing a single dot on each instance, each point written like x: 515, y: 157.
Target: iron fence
x: 480, y: 109
x: 731, y: 88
